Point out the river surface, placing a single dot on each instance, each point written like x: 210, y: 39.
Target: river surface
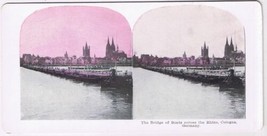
x: 159, y: 96
x: 46, y: 97
x: 155, y: 96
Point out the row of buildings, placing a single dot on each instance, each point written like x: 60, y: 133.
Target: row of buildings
x: 231, y: 57
x: 113, y: 55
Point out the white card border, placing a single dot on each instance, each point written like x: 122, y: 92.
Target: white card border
x: 15, y: 126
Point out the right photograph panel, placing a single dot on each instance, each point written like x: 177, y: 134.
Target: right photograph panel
x: 189, y: 63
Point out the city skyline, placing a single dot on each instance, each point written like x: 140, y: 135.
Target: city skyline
x: 55, y: 30
x: 112, y: 55
x: 200, y: 51
x: 81, y: 53
x: 91, y: 54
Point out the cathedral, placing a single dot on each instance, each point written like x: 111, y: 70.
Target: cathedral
x: 229, y: 49
x: 110, y: 49
x: 205, y: 51
x: 86, y: 51
x: 231, y: 52
x: 112, y: 53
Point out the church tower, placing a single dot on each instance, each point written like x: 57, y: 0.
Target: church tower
x: 66, y: 55
x: 184, y: 55
x: 86, y: 51
x: 205, y: 51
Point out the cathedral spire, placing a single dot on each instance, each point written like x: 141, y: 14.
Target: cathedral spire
x: 231, y: 45
x: 112, y: 44
x: 89, y: 51
x: 83, y: 50
x: 226, y: 41
x: 108, y: 42
x: 112, y: 41
x: 113, y: 48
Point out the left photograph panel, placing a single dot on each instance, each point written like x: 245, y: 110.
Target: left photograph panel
x: 76, y: 64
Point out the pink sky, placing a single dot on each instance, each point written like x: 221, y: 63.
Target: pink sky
x: 55, y: 30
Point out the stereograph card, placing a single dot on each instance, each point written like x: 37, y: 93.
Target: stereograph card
x: 132, y: 67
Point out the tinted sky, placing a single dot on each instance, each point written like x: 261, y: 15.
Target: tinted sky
x: 169, y: 31
x: 53, y: 31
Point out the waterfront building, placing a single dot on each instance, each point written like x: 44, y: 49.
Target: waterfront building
x: 191, y: 61
x: 145, y: 59
x: 218, y: 61
x: 48, y: 61
x: 166, y: 61
x: 136, y: 61
x: 60, y: 61
x: 35, y: 60
x: 27, y: 58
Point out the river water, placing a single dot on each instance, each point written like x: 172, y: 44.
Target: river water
x: 155, y: 96
x: 159, y: 96
x: 46, y: 97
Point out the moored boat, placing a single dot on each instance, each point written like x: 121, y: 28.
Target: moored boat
x: 223, y: 76
x: 123, y: 82
x: 232, y: 82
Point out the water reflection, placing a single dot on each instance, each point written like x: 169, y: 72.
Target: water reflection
x: 120, y: 102
x: 237, y: 102
x: 118, y: 93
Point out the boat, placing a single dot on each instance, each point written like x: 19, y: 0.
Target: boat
x: 122, y: 82
x: 76, y: 73
x: 211, y: 75
x: 232, y: 82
